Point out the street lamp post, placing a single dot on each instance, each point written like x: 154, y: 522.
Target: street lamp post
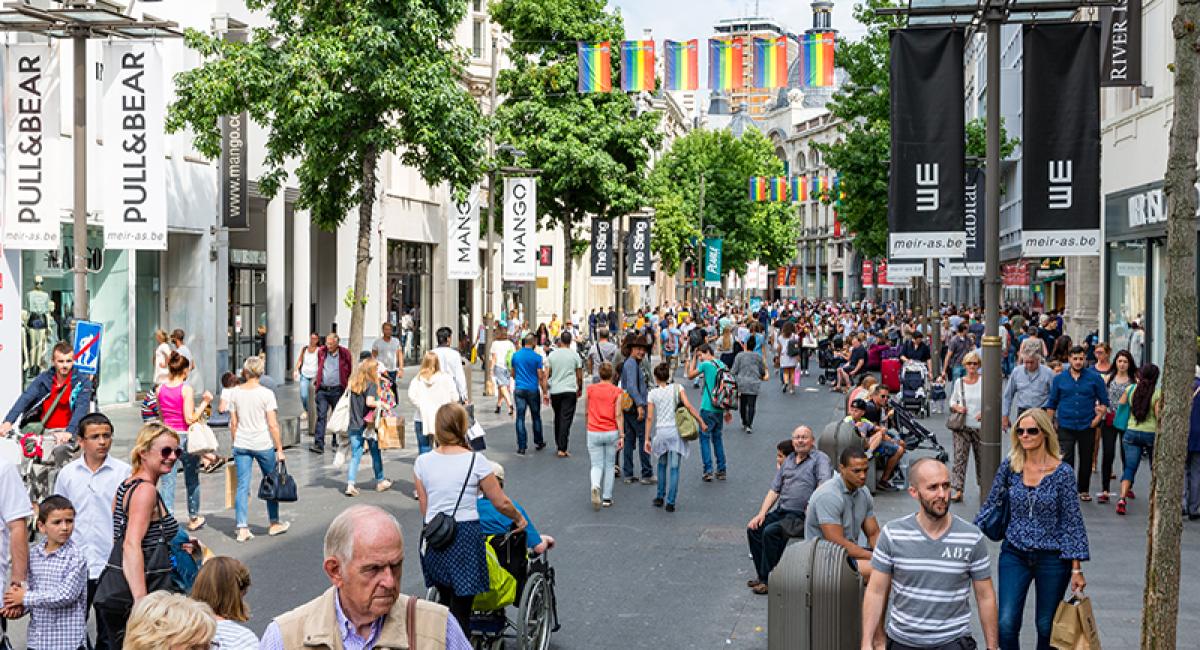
x: 81, y: 21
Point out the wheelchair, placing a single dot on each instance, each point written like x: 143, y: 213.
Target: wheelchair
x: 536, y: 604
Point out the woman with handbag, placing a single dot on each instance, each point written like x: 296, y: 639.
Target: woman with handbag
x: 1121, y: 375
x: 663, y: 406
x: 449, y: 480
x: 1034, y: 507
x: 966, y: 412
x: 254, y: 434
x: 364, y: 402
x: 143, y: 527
x: 428, y: 392
x: 178, y: 410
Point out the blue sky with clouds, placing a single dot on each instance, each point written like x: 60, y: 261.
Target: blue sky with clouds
x: 686, y: 19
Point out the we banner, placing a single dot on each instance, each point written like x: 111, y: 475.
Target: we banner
x: 638, y: 247
x: 971, y: 265
x: 462, y: 240
x: 1061, y: 140
x: 135, y: 179
x: 31, y: 126
x: 712, y: 262
x: 602, y: 251
x: 520, y: 229
x: 925, y: 192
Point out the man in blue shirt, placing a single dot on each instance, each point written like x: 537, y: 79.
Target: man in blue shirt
x: 633, y: 381
x: 1078, y: 400
x: 529, y: 375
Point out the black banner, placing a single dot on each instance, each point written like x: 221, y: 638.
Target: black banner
x: 1061, y: 140
x: 925, y: 216
x: 602, y: 251
x: 235, y: 198
x: 637, y: 247
x: 1121, y: 56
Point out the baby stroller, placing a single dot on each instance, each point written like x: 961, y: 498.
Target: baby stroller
x: 915, y: 435
x: 914, y: 390
x: 828, y: 362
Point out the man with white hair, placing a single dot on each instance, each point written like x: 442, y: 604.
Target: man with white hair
x: 364, y: 554
x: 1028, y: 385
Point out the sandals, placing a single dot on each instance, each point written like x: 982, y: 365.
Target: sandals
x: 1084, y: 496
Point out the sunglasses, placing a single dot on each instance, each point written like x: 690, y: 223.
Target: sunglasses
x: 168, y: 452
x: 1032, y: 431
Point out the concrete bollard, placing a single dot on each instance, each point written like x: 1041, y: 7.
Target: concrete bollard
x: 814, y: 599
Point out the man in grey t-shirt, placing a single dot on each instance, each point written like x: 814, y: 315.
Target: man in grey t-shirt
x: 842, y: 507
x: 924, y: 565
x: 604, y: 350
x: 386, y: 350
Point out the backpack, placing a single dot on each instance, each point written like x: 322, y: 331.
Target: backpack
x: 793, y: 347
x: 724, y: 395
x: 696, y: 337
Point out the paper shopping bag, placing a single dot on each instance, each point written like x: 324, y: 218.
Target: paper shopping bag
x: 1075, y: 626
x: 389, y: 433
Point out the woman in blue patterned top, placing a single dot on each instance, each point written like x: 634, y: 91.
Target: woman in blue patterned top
x: 1045, y: 541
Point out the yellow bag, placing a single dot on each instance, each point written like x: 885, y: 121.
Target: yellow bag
x: 1075, y: 625
x: 502, y: 586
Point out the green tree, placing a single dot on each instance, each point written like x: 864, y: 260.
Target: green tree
x: 750, y: 230
x: 336, y: 84
x: 593, y: 149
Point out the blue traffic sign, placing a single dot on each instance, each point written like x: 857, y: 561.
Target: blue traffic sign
x: 87, y: 346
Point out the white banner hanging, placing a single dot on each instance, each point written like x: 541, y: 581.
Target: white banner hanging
x: 135, y: 188
x: 520, y: 229
x: 31, y: 125
x: 463, y: 238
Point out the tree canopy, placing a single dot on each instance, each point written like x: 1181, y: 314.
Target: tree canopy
x: 751, y: 230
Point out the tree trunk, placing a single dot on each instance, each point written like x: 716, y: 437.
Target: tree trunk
x: 362, y: 258
x: 1160, y: 609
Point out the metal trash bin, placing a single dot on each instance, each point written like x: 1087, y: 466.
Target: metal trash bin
x: 837, y: 436
x: 814, y: 599
x: 289, y: 431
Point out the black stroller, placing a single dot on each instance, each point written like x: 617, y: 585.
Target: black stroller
x: 915, y: 435
x: 914, y: 391
x: 828, y: 361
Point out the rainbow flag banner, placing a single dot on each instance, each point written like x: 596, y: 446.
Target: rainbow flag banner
x: 816, y: 59
x: 681, y: 69
x: 799, y: 188
x: 779, y: 189
x: 637, y: 66
x: 595, y: 67
x: 725, y: 63
x: 758, y: 188
x: 770, y: 62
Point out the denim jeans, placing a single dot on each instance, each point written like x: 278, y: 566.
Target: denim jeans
x: 532, y: 400
x: 769, y: 540
x: 356, y: 452
x: 668, y: 475
x: 1050, y: 574
x: 715, y: 421
x: 1137, y: 444
x: 602, y: 450
x: 244, y: 460
x: 635, y: 439
x: 424, y: 444
x: 305, y: 390
x: 1191, y: 484
x: 191, y: 479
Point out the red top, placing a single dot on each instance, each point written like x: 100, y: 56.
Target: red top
x: 60, y: 390
x: 601, y: 406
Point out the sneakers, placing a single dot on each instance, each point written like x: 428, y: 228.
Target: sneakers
x: 749, y: 429
x: 671, y: 508
x: 629, y: 480
x: 244, y: 535
x: 316, y: 449
x: 1121, y: 506
x: 279, y: 528
x: 383, y: 485
x: 351, y: 491
x: 708, y: 477
x: 196, y: 523
x: 760, y: 589
x: 607, y: 503
x: 595, y: 498
x: 658, y: 502
x: 647, y: 480
x: 721, y: 475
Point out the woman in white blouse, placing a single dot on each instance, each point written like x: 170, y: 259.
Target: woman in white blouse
x: 965, y: 397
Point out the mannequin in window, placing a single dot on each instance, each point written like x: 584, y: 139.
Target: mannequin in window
x: 38, y: 308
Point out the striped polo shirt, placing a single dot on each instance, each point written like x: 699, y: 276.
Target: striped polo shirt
x: 930, y: 601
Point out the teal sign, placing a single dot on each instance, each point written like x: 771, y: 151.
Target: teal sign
x: 712, y: 262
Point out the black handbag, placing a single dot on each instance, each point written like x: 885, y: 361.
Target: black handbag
x: 278, y: 485
x: 439, y: 533
x: 995, y: 524
x: 112, y: 590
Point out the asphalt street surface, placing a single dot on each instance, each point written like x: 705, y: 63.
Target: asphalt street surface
x: 635, y: 576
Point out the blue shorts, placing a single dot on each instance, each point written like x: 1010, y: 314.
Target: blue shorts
x: 887, y: 448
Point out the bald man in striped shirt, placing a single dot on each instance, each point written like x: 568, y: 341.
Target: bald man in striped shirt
x: 924, y: 567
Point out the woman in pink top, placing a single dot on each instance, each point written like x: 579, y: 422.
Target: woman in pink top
x: 176, y: 406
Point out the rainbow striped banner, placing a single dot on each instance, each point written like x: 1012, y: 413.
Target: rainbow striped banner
x: 758, y: 188
x: 770, y: 62
x: 637, y: 66
x: 595, y: 67
x: 799, y: 188
x: 779, y: 189
x: 725, y: 63
x: 816, y: 59
x: 682, y: 68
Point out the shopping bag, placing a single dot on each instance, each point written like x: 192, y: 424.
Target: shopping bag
x: 1075, y: 625
x: 201, y: 439
x: 390, y: 435
x: 339, y: 418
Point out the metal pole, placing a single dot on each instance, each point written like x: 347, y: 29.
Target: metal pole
x: 488, y: 316
x: 990, y: 431
x: 619, y: 288
x: 79, y: 141
x: 700, y: 247
x: 935, y: 317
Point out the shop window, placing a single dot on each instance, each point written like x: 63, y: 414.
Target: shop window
x: 1126, y: 290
